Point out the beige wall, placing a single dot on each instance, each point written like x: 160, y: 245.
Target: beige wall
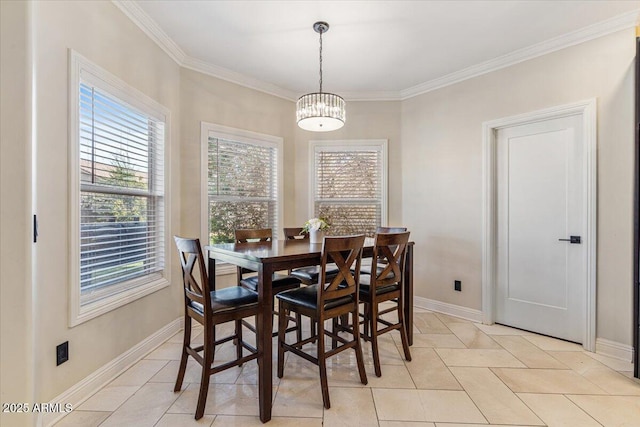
x: 105, y: 36
x: 442, y: 168
x: 16, y: 357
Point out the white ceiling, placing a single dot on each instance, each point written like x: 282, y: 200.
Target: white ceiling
x: 374, y: 49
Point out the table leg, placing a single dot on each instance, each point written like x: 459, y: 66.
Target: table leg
x: 408, y: 293
x: 263, y: 337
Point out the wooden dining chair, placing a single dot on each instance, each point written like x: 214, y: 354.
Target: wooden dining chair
x: 210, y: 308
x: 295, y: 233
x: 366, y: 267
x: 279, y: 282
x: 389, y: 251
x: 391, y: 229
x: 307, y: 275
x: 321, y: 302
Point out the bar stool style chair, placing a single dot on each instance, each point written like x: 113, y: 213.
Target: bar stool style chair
x: 389, y: 253
x: 321, y: 302
x: 295, y: 233
x: 366, y: 268
x: 391, y: 229
x: 279, y: 282
x: 307, y: 275
x: 210, y: 308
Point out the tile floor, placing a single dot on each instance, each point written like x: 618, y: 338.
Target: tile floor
x: 462, y: 375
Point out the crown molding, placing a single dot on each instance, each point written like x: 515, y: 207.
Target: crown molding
x: 151, y: 28
x: 600, y: 29
x: 237, y: 78
x: 382, y: 95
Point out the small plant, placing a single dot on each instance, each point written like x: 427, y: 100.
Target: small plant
x: 315, y: 224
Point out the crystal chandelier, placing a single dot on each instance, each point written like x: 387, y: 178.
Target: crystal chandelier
x: 320, y: 111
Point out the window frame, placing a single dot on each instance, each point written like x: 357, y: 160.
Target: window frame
x: 208, y: 130
x: 350, y: 145
x: 81, y: 70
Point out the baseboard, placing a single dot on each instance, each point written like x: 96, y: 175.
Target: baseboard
x: 84, y: 389
x: 614, y: 349
x: 450, y: 309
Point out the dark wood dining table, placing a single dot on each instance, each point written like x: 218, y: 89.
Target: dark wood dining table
x: 268, y: 257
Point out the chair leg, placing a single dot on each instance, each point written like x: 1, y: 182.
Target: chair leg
x: 282, y: 327
x: 185, y: 356
x: 322, y: 365
x: 359, y: 356
x: 403, y: 330
x: 334, y: 325
x: 299, y: 327
x: 206, y: 372
x: 373, y: 314
x: 366, y: 319
x: 314, y: 329
x: 239, y: 340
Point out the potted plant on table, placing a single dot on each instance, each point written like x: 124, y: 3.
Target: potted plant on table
x: 316, y: 227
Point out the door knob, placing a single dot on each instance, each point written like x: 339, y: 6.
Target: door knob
x: 572, y: 239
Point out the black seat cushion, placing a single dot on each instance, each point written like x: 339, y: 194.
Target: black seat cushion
x: 310, y: 274
x: 228, y: 299
x: 365, y: 286
x: 308, y: 297
x: 279, y: 281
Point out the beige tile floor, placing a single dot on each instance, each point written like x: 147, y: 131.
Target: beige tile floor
x: 462, y: 375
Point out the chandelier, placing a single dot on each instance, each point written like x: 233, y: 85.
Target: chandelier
x: 320, y: 111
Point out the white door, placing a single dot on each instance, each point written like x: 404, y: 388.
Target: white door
x: 541, y: 191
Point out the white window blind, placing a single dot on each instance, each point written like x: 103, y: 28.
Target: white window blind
x: 121, y: 194
x: 350, y: 186
x: 242, y: 187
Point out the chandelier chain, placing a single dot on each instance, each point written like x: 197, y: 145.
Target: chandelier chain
x: 321, y: 60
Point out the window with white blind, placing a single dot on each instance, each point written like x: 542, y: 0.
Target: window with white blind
x: 118, y: 181
x: 243, y: 171
x: 349, y: 184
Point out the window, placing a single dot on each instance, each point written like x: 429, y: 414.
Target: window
x: 118, y: 187
x: 243, y: 181
x: 349, y: 184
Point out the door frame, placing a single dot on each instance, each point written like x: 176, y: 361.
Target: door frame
x: 587, y: 109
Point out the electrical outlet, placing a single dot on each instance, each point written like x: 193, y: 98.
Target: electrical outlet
x: 457, y: 285
x: 62, y: 353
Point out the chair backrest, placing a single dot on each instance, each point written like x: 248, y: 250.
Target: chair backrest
x: 295, y: 233
x: 344, y: 252
x: 389, y: 251
x: 254, y: 234
x: 191, y: 259
x: 391, y: 229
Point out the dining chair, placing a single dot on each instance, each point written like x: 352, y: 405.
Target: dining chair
x: 295, y: 233
x: 389, y: 251
x: 323, y: 301
x: 307, y: 275
x: 279, y: 282
x: 391, y: 229
x: 210, y: 308
x: 366, y: 267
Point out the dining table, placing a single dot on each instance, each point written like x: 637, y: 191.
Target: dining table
x: 269, y: 257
